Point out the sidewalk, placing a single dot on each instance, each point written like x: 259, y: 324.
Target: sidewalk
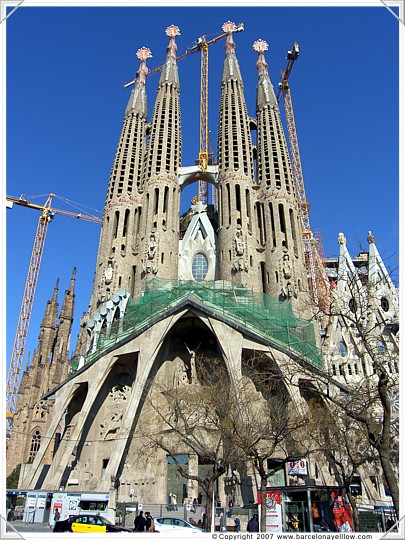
x: 24, y: 528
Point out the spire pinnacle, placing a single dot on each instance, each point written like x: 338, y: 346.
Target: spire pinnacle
x: 260, y: 46
x: 229, y: 28
x: 169, y: 71
x: 137, y: 102
x: 72, y: 280
x: 143, y: 54
x: 231, y: 67
x: 55, y: 291
x: 265, y: 91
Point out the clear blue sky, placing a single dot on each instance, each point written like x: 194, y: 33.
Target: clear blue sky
x: 65, y: 105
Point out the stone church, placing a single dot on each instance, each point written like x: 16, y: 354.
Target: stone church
x: 224, y: 281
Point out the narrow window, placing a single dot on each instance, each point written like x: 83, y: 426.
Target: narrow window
x: 125, y: 226
x: 35, y: 445
x: 228, y: 193
x: 116, y: 220
x: 282, y: 224
x: 273, y: 228
x: 238, y: 205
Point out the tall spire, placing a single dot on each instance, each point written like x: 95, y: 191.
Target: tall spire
x: 265, y: 90
x: 170, y: 73
x: 164, y: 148
x: 68, y: 302
x: 123, y: 206
x: 237, y: 230
x: 278, y: 213
x: 231, y: 68
x: 159, y: 232
x: 60, y: 353
x: 137, y: 103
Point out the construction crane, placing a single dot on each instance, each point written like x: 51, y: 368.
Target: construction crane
x: 313, y: 249
x: 205, y: 155
x: 47, y: 213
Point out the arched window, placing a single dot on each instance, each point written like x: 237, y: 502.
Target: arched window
x: 199, y: 267
x: 385, y: 304
x: 342, y: 349
x: 382, y: 349
x: 35, y: 444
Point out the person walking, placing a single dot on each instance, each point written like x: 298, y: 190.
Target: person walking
x: 253, y: 525
x: 174, y: 502
x: 237, y: 524
x: 139, y: 523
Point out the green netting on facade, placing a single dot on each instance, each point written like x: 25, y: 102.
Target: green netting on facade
x: 257, y: 312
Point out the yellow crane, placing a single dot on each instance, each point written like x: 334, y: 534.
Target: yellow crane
x: 205, y: 155
x: 47, y: 213
x: 313, y: 248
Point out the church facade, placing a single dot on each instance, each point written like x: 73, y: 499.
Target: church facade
x: 228, y: 283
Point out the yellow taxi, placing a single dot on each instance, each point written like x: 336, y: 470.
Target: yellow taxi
x: 85, y: 523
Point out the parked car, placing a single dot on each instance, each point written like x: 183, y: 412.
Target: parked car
x: 176, y: 526
x: 87, y: 523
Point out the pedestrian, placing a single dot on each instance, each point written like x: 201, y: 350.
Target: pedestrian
x: 139, y: 523
x: 230, y: 505
x: 253, y: 525
x: 199, y: 498
x: 222, y: 522
x: 56, y: 517
x: 237, y: 524
x: 174, y: 502
x: 149, y: 522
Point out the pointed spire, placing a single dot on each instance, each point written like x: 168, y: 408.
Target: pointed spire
x: 231, y: 68
x: 137, y: 103
x: 67, y: 310
x: 27, y: 364
x: 265, y: 91
x: 72, y: 280
x: 169, y: 71
x: 55, y: 291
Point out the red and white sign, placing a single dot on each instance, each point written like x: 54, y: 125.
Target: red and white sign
x: 297, y: 467
x: 274, y: 521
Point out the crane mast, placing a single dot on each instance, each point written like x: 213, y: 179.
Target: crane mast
x: 20, y: 340
x: 312, y: 245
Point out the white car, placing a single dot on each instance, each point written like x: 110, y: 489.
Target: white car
x: 176, y: 526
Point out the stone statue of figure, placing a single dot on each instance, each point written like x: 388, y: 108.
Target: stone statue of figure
x: 341, y: 239
x: 108, y: 273
x: 152, y: 244
x: 193, y: 368
x: 239, y: 243
x: 287, y: 269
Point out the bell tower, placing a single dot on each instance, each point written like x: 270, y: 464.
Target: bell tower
x: 278, y: 214
x: 237, y: 241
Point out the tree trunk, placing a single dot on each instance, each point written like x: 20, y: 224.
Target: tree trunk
x: 263, y: 491
x: 209, y: 490
x: 390, y: 478
x: 353, y: 503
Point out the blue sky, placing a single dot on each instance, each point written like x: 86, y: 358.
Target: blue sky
x: 66, y: 67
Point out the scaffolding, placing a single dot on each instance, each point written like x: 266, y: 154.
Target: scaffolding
x: 256, y: 312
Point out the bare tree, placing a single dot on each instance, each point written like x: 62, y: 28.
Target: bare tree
x: 264, y: 422
x: 364, y: 313
x: 193, y: 419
